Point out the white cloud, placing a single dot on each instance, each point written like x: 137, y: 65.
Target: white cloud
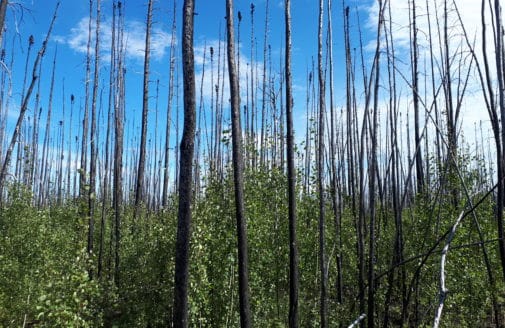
x: 134, y: 38
x: 473, y: 109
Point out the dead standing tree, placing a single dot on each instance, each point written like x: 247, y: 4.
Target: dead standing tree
x: 333, y: 165
x: 117, y: 198
x: 180, y: 315
x: 3, y: 11
x: 320, y: 172
x: 85, y: 123
x: 238, y: 174
x: 500, y: 71
x: 166, y: 171
x: 373, y: 168
x: 93, y: 137
x: 24, y: 106
x: 20, y: 148
x: 415, y: 94
x: 290, y: 153
x: 44, y: 176
x: 139, y: 188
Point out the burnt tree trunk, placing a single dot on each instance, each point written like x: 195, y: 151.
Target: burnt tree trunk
x: 166, y: 172
x: 139, y: 188
x: 238, y: 174
x: 94, y: 150
x: 24, y: 106
x: 320, y: 174
x: 290, y: 153
x: 180, y: 315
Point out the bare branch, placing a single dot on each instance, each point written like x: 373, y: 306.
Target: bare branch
x: 443, y: 289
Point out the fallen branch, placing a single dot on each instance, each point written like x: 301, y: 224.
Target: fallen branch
x: 357, y: 321
x: 434, y: 247
x: 443, y: 289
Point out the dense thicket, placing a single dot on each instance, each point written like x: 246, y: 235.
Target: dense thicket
x: 387, y: 211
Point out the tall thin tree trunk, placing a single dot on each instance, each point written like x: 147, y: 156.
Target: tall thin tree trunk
x: 290, y: 154
x: 221, y: 154
x: 333, y: 165
x: 499, y: 56
x: 166, y: 171
x: 320, y: 173
x: 415, y: 95
x: 85, y: 123
x: 118, y: 144
x: 106, y: 180
x: 252, y: 109
x: 34, y: 167
x: 177, y: 152
x: 20, y: 144
x: 8, y: 98
x: 397, y: 256
x: 24, y: 106
x: 449, y: 110
x: 3, y: 105
x: 45, y: 147
x: 3, y: 11
x: 61, y: 153
x: 264, y: 89
x: 93, y: 142
x: 156, y: 165
x: 108, y: 171
x: 139, y: 188
x: 199, y: 137
x: 307, y: 135
x: 372, y: 171
x: 180, y: 316
x: 238, y: 174
x: 217, y: 125
x: 69, y: 146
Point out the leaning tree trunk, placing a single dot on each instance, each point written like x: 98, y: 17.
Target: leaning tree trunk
x: 180, y: 315
x: 24, y: 106
x: 238, y: 175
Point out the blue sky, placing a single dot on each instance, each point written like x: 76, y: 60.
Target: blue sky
x: 70, y: 36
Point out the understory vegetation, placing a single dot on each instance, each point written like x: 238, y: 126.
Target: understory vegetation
x: 44, y: 267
